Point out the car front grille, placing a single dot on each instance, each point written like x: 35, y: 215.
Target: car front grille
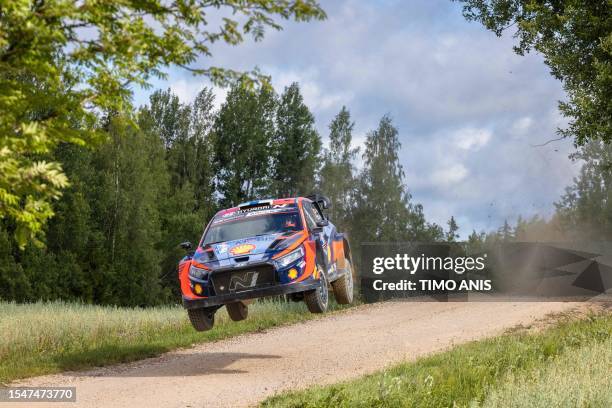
x: 241, y: 279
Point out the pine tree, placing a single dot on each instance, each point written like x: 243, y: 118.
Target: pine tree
x: 296, y: 146
x: 476, y: 242
x: 336, y: 177
x: 451, y: 234
x: 505, y: 232
x: 585, y: 210
x: 242, y: 135
x: 384, y: 210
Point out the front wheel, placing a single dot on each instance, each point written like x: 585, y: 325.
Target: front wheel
x: 202, y: 319
x: 318, y: 299
x: 237, y: 311
x: 343, y: 287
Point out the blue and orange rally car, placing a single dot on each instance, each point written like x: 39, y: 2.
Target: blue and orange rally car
x: 266, y: 248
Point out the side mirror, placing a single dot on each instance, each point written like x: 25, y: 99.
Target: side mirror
x: 322, y: 201
x: 323, y: 223
x: 186, y: 245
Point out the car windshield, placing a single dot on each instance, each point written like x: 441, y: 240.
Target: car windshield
x: 245, y: 227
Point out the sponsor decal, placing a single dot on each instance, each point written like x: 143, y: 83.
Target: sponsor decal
x: 243, y: 280
x: 254, y: 211
x: 222, y: 248
x: 242, y: 249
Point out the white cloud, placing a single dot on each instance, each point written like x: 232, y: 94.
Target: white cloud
x: 186, y: 90
x: 467, y: 108
x: 522, y: 125
x: 471, y: 138
x: 449, y: 175
x: 315, y: 97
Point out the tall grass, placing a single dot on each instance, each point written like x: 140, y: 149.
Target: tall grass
x: 41, y: 338
x: 578, y: 378
x: 490, y: 372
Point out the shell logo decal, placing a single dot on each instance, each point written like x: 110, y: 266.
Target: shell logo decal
x: 242, y: 249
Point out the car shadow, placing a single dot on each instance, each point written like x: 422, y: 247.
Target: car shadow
x: 178, y: 364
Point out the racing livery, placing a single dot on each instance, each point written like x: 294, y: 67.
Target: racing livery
x: 266, y: 248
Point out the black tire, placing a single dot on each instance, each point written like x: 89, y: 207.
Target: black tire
x: 343, y: 287
x: 201, y: 319
x: 317, y: 300
x: 237, y: 311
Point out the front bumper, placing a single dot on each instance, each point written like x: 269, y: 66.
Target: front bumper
x: 275, y: 290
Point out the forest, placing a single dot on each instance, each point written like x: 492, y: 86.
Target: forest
x: 167, y: 168
x: 164, y: 170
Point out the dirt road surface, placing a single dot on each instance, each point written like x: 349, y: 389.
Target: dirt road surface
x: 245, y: 370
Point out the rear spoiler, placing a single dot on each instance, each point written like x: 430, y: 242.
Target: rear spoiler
x: 323, y: 201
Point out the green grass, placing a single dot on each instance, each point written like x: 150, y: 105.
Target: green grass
x: 42, y: 338
x: 580, y: 377
x: 517, y: 369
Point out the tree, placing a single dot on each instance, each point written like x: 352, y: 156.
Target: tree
x: 62, y: 62
x: 126, y: 191
x: 336, y: 175
x: 585, y: 210
x: 505, y: 232
x: 475, y: 242
x: 242, y: 137
x: 200, y: 127
x: 384, y: 211
x: 296, y: 146
x: 575, y: 38
x: 451, y: 235
x: 184, y: 131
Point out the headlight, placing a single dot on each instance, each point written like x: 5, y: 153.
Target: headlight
x: 197, y: 273
x: 290, y: 258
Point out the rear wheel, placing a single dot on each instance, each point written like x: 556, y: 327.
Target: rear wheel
x: 343, y: 287
x: 318, y: 299
x: 201, y: 319
x: 237, y: 311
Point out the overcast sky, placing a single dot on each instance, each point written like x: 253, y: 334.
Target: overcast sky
x: 467, y: 108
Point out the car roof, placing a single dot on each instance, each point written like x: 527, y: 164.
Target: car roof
x: 255, y: 203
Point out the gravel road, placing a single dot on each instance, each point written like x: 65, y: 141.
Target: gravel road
x: 246, y: 369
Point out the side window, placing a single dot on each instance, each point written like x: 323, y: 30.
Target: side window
x: 318, y: 214
x: 309, y: 212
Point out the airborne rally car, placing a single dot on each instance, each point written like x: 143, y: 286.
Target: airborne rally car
x: 266, y: 248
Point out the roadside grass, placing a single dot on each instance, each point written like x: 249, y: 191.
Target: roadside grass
x: 519, y: 369
x: 580, y: 377
x: 43, y: 338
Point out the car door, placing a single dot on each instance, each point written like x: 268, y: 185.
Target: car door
x: 323, y: 235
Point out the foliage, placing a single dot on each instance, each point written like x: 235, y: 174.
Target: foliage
x: 586, y: 207
x: 61, y: 62
x: 162, y: 173
x: 453, y: 227
x: 295, y: 147
x: 242, y: 140
x: 575, y: 38
x: 188, y: 200
x: 337, y: 178
x: 384, y: 211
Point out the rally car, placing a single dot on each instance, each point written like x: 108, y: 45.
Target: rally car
x: 266, y: 248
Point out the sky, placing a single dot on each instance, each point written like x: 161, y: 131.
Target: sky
x: 470, y: 112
